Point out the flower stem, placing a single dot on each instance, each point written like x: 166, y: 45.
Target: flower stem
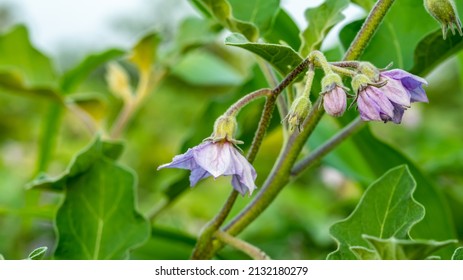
x: 368, y: 29
x: 249, y: 249
x: 328, y: 146
x: 245, y: 100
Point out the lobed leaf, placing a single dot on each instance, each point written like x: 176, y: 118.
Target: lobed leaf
x: 283, y: 58
x: 387, y: 209
x: 321, y: 19
x: 98, y: 217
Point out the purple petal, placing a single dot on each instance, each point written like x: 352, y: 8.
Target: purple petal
x: 215, y: 158
x: 197, y: 175
x: 183, y: 161
x: 334, y: 102
x: 398, y: 113
x: 374, y: 105
x: 396, y: 93
x: 412, y: 83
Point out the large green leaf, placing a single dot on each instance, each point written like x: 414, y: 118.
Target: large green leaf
x: 98, y: 217
x: 458, y: 254
x: 437, y: 224
x: 432, y: 50
x: 321, y: 19
x: 387, y: 209
x: 222, y: 11
x: 283, y: 58
x: 399, y: 249
x: 259, y: 12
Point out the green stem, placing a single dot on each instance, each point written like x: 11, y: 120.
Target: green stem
x: 328, y: 146
x: 249, y: 249
x: 203, y: 249
x: 279, y: 175
x: 245, y: 100
x: 368, y: 29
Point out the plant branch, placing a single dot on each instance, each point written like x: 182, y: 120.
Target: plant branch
x: 249, y: 249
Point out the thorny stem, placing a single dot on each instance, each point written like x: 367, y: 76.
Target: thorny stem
x: 327, y: 147
x: 249, y: 249
x: 281, y: 171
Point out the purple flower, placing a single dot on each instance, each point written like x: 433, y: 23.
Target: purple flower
x: 412, y: 84
x: 373, y: 105
x: 334, y: 101
x: 216, y: 159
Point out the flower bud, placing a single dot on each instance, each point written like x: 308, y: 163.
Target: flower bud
x: 119, y: 82
x: 445, y: 12
x: 298, y: 112
x: 334, y: 95
x: 224, y: 129
x: 359, y: 82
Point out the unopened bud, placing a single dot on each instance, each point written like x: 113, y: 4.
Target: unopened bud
x: 119, y: 82
x: 334, y: 95
x: 298, y: 112
x: 445, y: 12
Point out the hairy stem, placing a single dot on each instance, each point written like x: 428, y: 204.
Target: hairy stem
x: 368, y: 29
x: 245, y: 100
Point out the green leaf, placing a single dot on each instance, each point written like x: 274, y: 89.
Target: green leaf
x: 437, y: 224
x: 366, y: 4
x: 283, y: 58
x: 98, y: 217
x: 18, y: 55
x: 432, y: 50
x: 23, y: 69
x: 2, y: 258
x: 401, y: 249
x: 321, y: 19
x: 259, y: 12
x: 458, y: 254
x: 285, y: 30
x: 222, y: 11
x: 73, y: 77
x: 38, y: 254
x: 363, y: 253
x: 392, y: 42
x: 387, y: 209
x: 144, y: 52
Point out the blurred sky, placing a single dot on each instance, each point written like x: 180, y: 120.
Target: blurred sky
x: 84, y: 26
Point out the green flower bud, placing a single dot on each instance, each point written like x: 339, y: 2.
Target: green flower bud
x: 298, y: 112
x: 445, y: 12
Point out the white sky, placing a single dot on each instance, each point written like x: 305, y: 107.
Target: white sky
x: 89, y: 24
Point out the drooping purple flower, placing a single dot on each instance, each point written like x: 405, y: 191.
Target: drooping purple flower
x: 216, y: 159
x: 373, y: 105
x: 412, y: 84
